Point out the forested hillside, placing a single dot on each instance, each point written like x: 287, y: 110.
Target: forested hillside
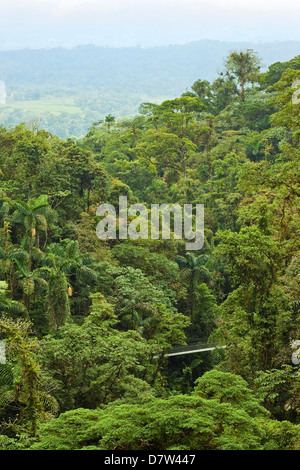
x: 86, y: 323
x: 65, y: 90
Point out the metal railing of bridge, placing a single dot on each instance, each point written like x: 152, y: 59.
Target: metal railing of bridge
x: 193, y: 348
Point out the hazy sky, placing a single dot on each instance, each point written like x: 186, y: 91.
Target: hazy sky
x: 47, y: 23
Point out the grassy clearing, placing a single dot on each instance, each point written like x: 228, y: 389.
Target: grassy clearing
x: 54, y: 106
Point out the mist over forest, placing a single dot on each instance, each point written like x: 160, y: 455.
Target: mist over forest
x: 66, y: 90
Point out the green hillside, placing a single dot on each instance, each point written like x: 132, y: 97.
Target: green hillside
x: 97, y: 81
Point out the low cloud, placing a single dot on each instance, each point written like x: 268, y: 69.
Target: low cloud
x: 145, y: 22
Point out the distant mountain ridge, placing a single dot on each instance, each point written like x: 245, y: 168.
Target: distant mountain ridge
x: 158, y: 70
x: 66, y: 90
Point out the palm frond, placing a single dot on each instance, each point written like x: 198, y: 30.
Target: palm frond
x: 87, y: 274
x: 6, y: 375
x: 42, y: 221
x: 23, y: 208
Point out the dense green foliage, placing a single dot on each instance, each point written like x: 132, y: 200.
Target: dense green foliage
x: 65, y: 90
x: 87, y: 322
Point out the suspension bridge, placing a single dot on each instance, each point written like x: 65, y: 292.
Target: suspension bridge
x: 192, y: 348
